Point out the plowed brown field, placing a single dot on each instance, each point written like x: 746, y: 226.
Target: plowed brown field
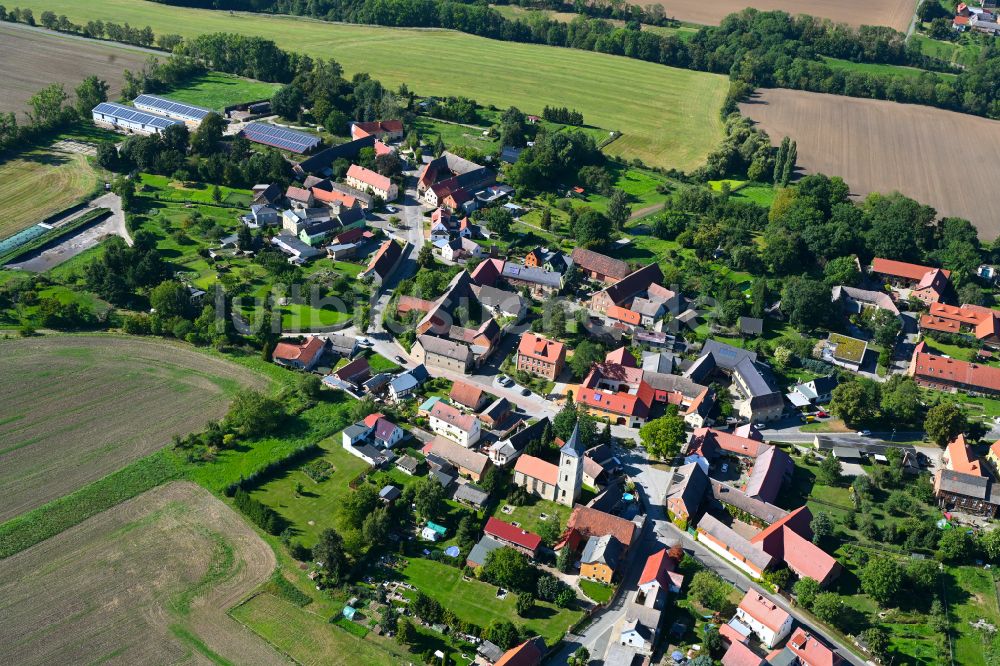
x: 76, y: 408
x: 945, y: 159
x: 892, y: 13
x: 147, y: 582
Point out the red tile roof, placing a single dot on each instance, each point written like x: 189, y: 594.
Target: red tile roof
x: 788, y: 539
x: 487, y: 272
x: 528, y: 653
x: 382, y: 149
x: 961, y: 458
x: 388, y: 250
x: 372, y: 419
x: 621, y: 356
x: 537, y: 468
x: 949, y: 318
x: 297, y: 193
x: 595, y: 262
x: 810, y: 651
x: 369, y: 177
x: 412, y: 303
x: 466, y: 394
x: 903, y: 269
x: 334, y: 197
x: 624, y: 315
x: 449, y: 414
x: 658, y: 566
x: 507, y: 532
x: 739, y: 654
x: 933, y: 368
x: 636, y: 403
x: 588, y: 522
x: 537, y: 347
x: 731, y: 634
x: 353, y: 369
x: 707, y: 441
x: 288, y: 351
x: 763, y: 610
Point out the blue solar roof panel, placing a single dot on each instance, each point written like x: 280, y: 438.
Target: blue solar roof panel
x: 279, y: 137
x: 170, y: 107
x: 134, y: 115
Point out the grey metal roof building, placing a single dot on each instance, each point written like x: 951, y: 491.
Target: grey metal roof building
x: 170, y: 108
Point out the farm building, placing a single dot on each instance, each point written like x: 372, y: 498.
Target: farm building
x: 279, y: 137
x: 188, y: 114
x: 126, y: 119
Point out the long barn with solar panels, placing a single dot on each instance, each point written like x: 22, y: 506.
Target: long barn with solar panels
x: 279, y: 137
x: 125, y: 118
x: 190, y: 115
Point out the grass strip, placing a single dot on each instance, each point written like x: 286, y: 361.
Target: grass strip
x: 39, y: 524
x: 53, y: 234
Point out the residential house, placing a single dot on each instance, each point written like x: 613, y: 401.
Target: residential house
x: 601, y: 557
x: 514, y: 537
x: 382, y: 130
x: 949, y: 374
x: 641, y: 627
x: 807, y: 650
x: 461, y: 249
x: 993, y: 455
x: 266, y: 194
x: 973, y: 321
x: 355, y: 372
x: 814, y: 392
x: 442, y: 353
x: 600, y: 267
x: 301, y: 356
x: 528, y: 653
x: 297, y: 251
x: 586, y: 522
x: 550, y: 260
x: 760, y: 399
x: 710, y: 444
x: 623, y: 318
x: 969, y: 493
x: 383, y: 262
x: 766, y: 619
x: 959, y: 457
x: 650, y: 312
x: 509, y: 447
x: 262, y: 215
x: 344, y: 345
x: 470, y: 346
x: 468, y: 463
x: 659, y: 576
x: 389, y: 494
x: 733, y: 546
x: 354, y: 440
x: 449, y: 422
x: 299, y: 197
x: 439, y: 469
x: 694, y: 400
x: 496, y: 414
x: 367, y: 180
x: 384, y: 432
x: 771, y: 469
x: 451, y: 176
x: 468, y: 395
x: 617, y: 392
x: 500, y: 302
x: 687, y: 493
x: 471, y: 495
x: 855, y: 301
x: 623, y: 291
x: 739, y: 654
x: 408, y: 465
x: 845, y: 351
x: 405, y: 384
x: 921, y: 282
x: 538, y: 281
x: 541, y: 357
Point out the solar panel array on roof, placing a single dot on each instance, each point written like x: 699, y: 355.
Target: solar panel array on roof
x: 127, y: 113
x: 170, y: 108
x: 279, y: 137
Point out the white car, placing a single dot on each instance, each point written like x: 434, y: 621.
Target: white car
x: 365, y: 342
x: 391, y: 209
x: 725, y: 467
x: 864, y: 433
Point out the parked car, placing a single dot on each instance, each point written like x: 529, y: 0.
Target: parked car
x: 725, y: 467
x: 822, y: 415
x: 504, y: 380
x: 391, y: 209
x: 400, y: 359
x: 365, y: 342
x: 525, y: 391
x: 864, y: 433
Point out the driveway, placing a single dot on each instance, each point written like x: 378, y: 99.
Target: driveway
x: 81, y: 240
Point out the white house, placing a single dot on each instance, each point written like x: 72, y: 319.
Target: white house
x: 770, y: 623
x: 367, y: 180
x: 384, y: 432
x: 640, y: 628
x: 449, y: 422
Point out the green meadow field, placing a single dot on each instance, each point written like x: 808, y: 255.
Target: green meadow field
x: 669, y: 117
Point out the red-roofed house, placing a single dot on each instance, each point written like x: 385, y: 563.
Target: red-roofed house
x: 539, y: 356
x: 949, y: 374
x: 810, y: 651
x: 621, y: 356
x: 449, y: 422
x: 299, y: 197
x: 739, y: 654
x: 923, y: 282
x: 333, y: 198
x: 383, y: 262
x: 380, y: 129
x: 488, y: 272
x: 789, y: 539
x: 618, y: 393
x: 537, y: 476
x: 597, y: 266
x: 993, y: 455
x: 528, y: 653
x: 586, y: 522
x: 660, y: 575
x: 764, y: 617
x: 629, y: 318
x: 367, y: 180
x: 524, y: 541
x: 959, y: 457
x: 355, y: 372
x: 711, y: 443
x: 972, y: 320
x: 469, y: 395
x: 302, y: 356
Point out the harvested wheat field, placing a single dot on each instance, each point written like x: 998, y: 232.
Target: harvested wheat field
x: 33, y: 59
x: 892, y: 13
x: 76, y: 408
x: 147, y: 582
x: 937, y: 157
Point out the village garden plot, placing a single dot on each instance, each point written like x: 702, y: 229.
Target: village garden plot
x: 672, y: 118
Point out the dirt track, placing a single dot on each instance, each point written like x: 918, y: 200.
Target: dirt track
x: 147, y: 582
x: 893, y: 13
x: 76, y: 408
x: 945, y: 159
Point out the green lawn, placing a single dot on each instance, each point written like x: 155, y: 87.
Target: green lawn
x: 671, y: 118
x: 954, y: 351
x: 879, y: 68
x: 216, y: 90
x: 761, y: 194
x: 319, y: 507
x: 965, y: 51
x: 639, y: 184
x: 302, y: 317
x: 599, y: 592
x: 529, y: 516
x: 165, y: 188
x: 476, y: 602
x: 453, y: 135
x: 380, y: 363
